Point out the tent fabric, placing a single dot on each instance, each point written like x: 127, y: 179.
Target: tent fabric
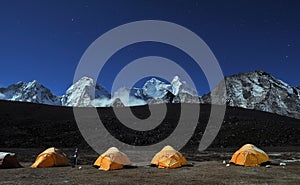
x: 112, y: 159
x: 9, y: 160
x: 168, y: 157
x: 50, y: 158
x: 249, y: 155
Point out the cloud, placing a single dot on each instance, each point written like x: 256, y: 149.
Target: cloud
x: 127, y: 100
x: 123, y: 95
x: 102, y: 102
x: 2, y: 96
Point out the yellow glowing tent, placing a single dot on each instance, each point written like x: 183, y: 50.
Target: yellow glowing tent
x: 112, y: 159
x: 249, y: 155
x: 49, y: 158
x: 168, y: 157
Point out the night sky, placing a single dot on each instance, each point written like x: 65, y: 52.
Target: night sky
x: 44, y: 40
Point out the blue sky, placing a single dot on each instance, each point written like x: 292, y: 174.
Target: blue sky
x: 44, y: 40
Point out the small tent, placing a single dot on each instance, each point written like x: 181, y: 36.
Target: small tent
x: 112, y: 159
x: 50, y: 158
x: 9, y: 160
x: 168, y: 157
x: 249, y: 155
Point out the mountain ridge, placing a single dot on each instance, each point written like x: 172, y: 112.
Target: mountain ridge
x: 251, y: 90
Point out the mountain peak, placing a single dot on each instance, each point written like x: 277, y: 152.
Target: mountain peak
x: 261, y: 91
x: 86, y: 80
x: 251, y: 74
x: 260, y: 71
x: 176, y: 78
x: 155, y: 88
x: 263, y: 73
x: 32, y: 91
x: 84, y: 92
x: 34, y: 83
x: 154, y: 80
x: 179, y: 86
x: 176, y: 85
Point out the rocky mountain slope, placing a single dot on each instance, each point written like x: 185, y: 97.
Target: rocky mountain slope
x: 29, y: 92
x: 261, y: 91
x: 32, y: 125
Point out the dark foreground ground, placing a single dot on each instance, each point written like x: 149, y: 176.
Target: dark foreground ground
x: 28, y: 129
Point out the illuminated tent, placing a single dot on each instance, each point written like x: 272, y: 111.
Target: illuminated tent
x: 112, y: 159
x: 9, y: 160
x: 50, y: 158
x: 249, y: 155
x: 168, y: 157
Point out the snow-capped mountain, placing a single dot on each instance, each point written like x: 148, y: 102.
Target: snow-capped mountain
x: 261, y: 91
x: 83, y: 93
x: 176, y: 92
x: 179, y: 86
x: 29, y: 92
x: 253, y: 90
x: 154, y: 89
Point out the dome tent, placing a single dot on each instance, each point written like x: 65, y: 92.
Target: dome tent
x: 50, y: 158
x: 9, y: 160
x: 168, y: 157
x: 112, y: 159
x: 249, y: 155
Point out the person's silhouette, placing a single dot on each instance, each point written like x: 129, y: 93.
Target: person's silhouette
x: 75, y: 156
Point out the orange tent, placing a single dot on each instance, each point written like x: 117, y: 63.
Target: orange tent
x: 112, y: 159
x: 49, y: 158
x: 168, y: 157
x: 249, y: 155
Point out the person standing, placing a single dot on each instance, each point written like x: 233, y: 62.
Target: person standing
x: 75, y: 156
